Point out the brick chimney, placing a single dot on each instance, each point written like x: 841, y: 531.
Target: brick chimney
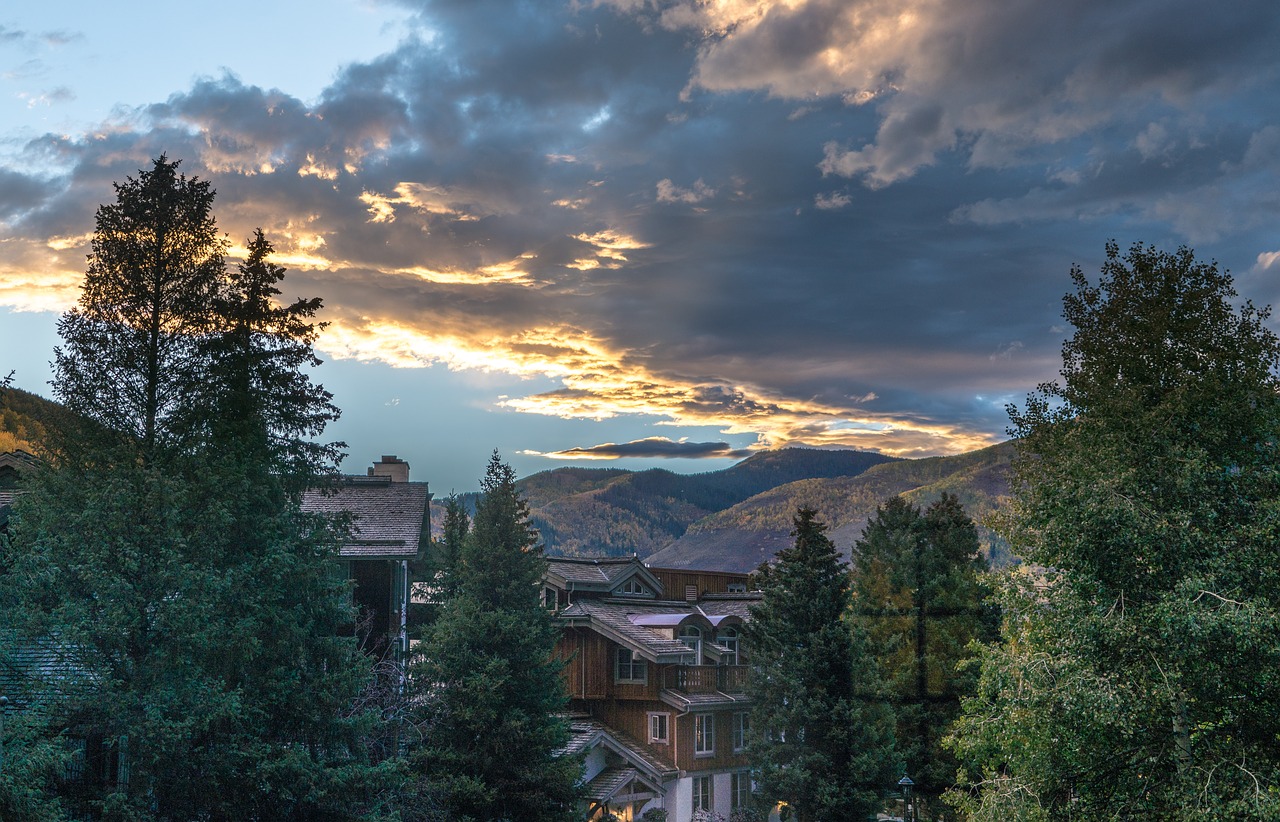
x: 391, y: 466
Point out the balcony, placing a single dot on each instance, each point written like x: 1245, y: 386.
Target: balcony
x: 706, y: 679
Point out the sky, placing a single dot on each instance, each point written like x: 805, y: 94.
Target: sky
x: 654, y: 233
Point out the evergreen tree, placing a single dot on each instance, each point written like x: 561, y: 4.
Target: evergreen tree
x: 131, y: 352
x: 1137, y: 678
x: 450, y: 546
x: 163, y: 550
x: 821, y: 734
x: 491, y: 681
x: 919, y: 596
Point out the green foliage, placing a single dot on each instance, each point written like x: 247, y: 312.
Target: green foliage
x: 821, y: 734
x: 131, y: 353
x: 919, y: 596
x: 25, y: 420
x: 1137, y: 675
x: 162, y: 549
x: 488, y: 680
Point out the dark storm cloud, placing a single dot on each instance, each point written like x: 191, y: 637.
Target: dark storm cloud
x: 692, y: 213
x: 653, y: 447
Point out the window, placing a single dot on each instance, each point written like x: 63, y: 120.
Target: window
x: 634, y: 588
x: 702, y: 797
x: 741, y: 722
x: 660, y: 728
x: 740, y: 789
x: 550, y: 598
x: 704, y: 734
x: 630, y: 667
x: 736, y: 588
x: 691, y: 635
x: 729, y: 639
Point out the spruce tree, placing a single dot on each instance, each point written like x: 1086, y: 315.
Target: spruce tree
x: 821, y: 734
x: 1137, y: 678
x: 919, y: 595
x: 491, y: 683
x: 131, y: 353
x: 162, y: 548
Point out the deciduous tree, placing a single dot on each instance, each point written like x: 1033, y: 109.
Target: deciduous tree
x: 821, y: 731
x: 1137, y: 678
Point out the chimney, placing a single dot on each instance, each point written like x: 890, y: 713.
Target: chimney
x: 392, y: 467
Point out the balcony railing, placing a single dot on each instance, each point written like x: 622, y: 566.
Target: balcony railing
x: 705, y: 679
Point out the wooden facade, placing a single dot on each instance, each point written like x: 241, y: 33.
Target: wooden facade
x: 663, y: 672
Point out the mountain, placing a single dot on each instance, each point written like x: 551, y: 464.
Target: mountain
x: 741, y: 537
x: 603, y: 511
x: 25, y: 420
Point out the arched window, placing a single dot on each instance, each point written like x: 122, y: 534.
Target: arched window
x: 691, y: 635
x: 729, y: 639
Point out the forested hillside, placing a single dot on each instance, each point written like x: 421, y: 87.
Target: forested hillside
x: 607, y: 511
x: 741, y: 537
x: 25, y: 420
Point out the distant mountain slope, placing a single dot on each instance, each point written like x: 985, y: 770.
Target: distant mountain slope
x: 741, y: 537
x: 614, y: 512
x: 642, y: 512
x: 25, y: 420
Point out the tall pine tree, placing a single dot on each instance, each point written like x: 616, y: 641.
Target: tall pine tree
x: 918, y: 594
x: 821, y: 733
x: 489, y: 678
x: 162, y: 548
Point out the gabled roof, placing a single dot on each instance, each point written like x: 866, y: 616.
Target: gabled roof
x: 586, y: 734
x: 388, y: 518
x: 601, y: 575
x: 614, y: 619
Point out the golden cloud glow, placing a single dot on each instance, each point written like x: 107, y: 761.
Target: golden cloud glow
x: 431, y: 200
x: 600, y: 382
x: 608, y: 246
x: 512, y: 271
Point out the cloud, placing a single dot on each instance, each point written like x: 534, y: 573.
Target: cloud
x: 803, y: 222
x: 651, y: 447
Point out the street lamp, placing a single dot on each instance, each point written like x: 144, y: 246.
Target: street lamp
x: 4, y: 709
x: 908, y: 807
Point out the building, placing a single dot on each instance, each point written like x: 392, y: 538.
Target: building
x: 390, y: 520
x: 657, y: 674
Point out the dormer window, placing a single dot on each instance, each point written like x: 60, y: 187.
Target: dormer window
x: 729, y: 639
x: 633, y: 588
x: 691, y: 635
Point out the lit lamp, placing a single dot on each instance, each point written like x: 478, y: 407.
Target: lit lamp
x: 908, y: 807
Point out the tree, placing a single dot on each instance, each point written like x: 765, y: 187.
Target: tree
x: 163, y: 549
x: 919, y: 596
x: 1137, y: 677
x: 490, y: 679
x: 821, y: 733
x: 131, y: 353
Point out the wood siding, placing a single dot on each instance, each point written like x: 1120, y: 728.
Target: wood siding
x: 675, y: 581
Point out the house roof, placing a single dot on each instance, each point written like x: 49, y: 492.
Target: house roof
x: 601, y: 574
x: 614, y: 619
x: 388, y: 518
x: 586, y: 734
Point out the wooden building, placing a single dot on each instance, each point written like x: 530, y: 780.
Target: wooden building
x: 657, y: 674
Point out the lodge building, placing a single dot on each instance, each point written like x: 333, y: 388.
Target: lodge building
x: 656, y: 672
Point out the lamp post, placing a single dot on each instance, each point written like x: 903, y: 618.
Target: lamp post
x: 908, y: 807
x: 4, y: 709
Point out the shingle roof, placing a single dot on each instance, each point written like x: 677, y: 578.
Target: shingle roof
x: 608, y: 782
x: 738, y: 605
x: 388, y: 517
x: 614, y: 619
x: 587, y: 733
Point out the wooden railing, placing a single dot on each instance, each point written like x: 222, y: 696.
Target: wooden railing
x: 703, y: 679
